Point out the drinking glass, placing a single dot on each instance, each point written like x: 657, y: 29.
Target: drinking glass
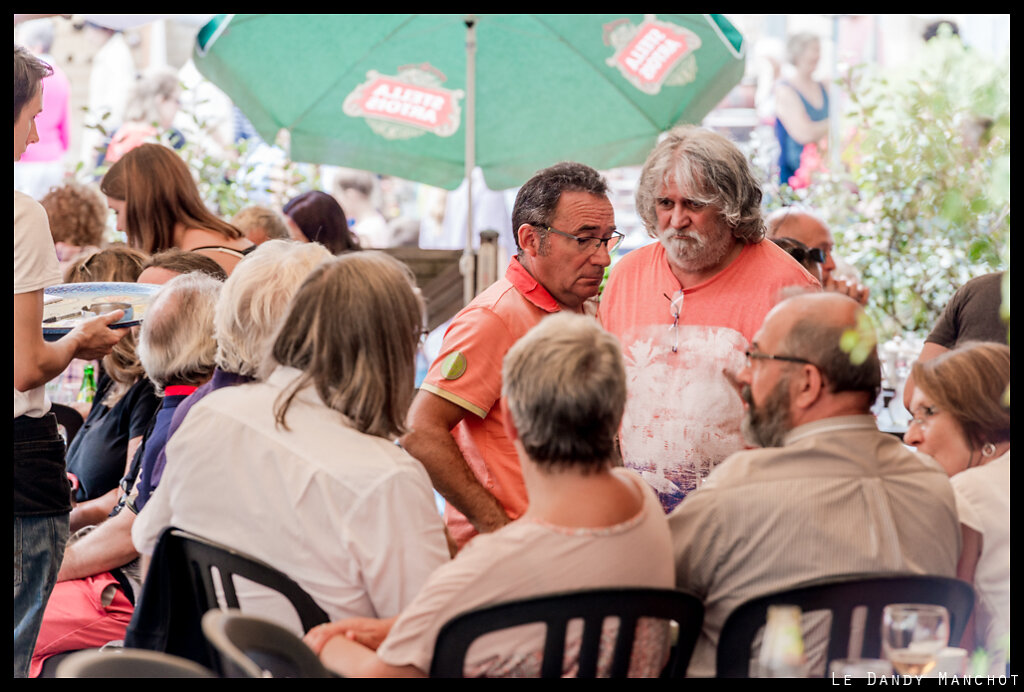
x: 913, y: 635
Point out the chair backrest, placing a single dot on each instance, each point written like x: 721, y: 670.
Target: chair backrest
x: 180, y: 587
x: 205, y: 557
x: 129, y: 663
x: 843, y: 596
x: 68, y: 417
x: 251, y: 647
x: 557, y: 610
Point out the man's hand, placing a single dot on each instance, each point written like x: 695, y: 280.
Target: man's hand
x: 733, y: 381
x: 369, y: 632
x: 430, y: 440
x: 108, y: 546
x: 853, y: 289
x: 37, y: 361
x: 94, y: 337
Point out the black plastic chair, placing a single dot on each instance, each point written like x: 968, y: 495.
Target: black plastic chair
x: 251, y: 647
x: 129, y: 663
x: 180, y: 588
x: 842, y: 597
x: 68, y: 417
x: 557, y: 610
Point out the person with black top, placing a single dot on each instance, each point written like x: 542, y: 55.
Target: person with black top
x: 972, y: 314
x: 125, y: 401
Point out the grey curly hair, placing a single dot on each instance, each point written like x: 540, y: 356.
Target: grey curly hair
x: 712, y: 170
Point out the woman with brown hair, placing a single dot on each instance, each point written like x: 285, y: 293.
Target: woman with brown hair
x: 159, y: 207
x: 316, y: 217
x: 962, y: 420
x: 125, y: 401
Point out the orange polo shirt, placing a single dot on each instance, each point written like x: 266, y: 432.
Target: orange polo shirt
x: 467, y: 372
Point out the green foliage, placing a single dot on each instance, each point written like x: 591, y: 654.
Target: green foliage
x: 922, y: 203
x: 234, y: 178
x: 229, y: 177
x: 859, y: 341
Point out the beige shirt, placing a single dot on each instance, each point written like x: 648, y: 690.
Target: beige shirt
x: 839, y: 498
x: 528, y: 558
x: 35, y: 268
x: 983, y: 501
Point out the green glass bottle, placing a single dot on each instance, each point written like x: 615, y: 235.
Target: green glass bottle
x: 88, y: 389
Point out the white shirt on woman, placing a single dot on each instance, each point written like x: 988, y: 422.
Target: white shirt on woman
x: 349, y: 516
x: 983, y: 503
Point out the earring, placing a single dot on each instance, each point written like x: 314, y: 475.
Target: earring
x: 988, y: 449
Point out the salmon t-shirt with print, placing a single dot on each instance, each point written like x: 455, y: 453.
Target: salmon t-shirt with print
x: 682, y: 415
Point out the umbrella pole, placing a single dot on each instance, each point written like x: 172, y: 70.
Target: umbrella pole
x: 467, y: 264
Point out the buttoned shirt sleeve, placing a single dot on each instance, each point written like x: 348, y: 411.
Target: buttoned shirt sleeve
x: 467, y: 371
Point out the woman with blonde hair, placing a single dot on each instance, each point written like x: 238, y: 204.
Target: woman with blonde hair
x: 961, y: 415
x: 125, y: 401
x: 158, y: 206
x: 318, y: 487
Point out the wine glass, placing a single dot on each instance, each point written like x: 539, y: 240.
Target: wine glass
x: 913, y: 635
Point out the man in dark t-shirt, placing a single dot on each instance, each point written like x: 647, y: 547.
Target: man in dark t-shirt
x: 972, y: 314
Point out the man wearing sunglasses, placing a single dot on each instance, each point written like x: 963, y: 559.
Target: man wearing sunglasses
x: 686, y: 307
x: 564, y: 230
x: 809, y: 229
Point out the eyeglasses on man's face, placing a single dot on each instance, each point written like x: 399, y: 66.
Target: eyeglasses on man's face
x: 588, y: 244
x: 754, y: 354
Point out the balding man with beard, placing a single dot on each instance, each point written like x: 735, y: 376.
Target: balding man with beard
x: 828, y: 495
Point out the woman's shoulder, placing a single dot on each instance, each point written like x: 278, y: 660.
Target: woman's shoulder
x: 194, y: 239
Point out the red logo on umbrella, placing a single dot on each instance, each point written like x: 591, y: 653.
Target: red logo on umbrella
x: 648, y: 54
x: 412, y: 103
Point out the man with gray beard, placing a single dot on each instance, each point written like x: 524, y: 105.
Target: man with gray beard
x: 829, y: 495
x: 685, y: 308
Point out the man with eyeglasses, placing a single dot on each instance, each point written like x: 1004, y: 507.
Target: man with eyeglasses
x: 564, y: 229
x: 828, y: 495
x: 809, y: 229
x: 686, y: 307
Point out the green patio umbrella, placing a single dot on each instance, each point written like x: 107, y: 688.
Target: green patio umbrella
x: 389, y: 93
x: 427, y: 97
